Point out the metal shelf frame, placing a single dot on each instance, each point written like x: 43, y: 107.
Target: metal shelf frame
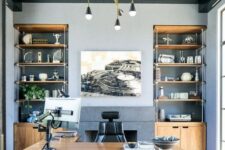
x: 24, y: 67
x: 199, y: 85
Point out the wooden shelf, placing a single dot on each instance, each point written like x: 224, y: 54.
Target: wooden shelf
x: 178, y: 100
x: 190, y: 123
x: 23, y: 46
x: 179, y: 29
x: 40, y: 64
x: 177, y: 65
x: 33, y: 100
x: 42, y: 82
x: 177, y: 82
x: 177, y: 47
x: 41, y: 28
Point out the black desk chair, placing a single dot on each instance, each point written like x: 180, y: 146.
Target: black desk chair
x: 110, y: 131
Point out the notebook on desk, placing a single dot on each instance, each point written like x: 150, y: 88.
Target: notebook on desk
x: 64, y: 134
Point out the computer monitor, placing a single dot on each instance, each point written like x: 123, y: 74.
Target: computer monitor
x: 69, y: 109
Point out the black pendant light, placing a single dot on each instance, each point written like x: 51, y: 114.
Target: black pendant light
x: 117, y: 25
x: 132, y: 11
x: 88, y: 14
x: 118, y: 13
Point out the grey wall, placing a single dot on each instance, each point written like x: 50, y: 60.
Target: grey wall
x: 10, y: 105
x: 1, y: 67
x: 212, y: 70
x: 130, y: 116
x: 99, y: 34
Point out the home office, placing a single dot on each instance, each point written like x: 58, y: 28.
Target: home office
x: 160, y: 69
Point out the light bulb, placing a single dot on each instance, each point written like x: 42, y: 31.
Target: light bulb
x: 117, y: 28
x: 117, y: 25
x: 132, y: 11
x: 88, y: 14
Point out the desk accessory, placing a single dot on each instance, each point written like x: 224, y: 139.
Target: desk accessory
x: 140, y: 145
x: 56, y: 111
x: 165, y: 142
x: 179, y: 117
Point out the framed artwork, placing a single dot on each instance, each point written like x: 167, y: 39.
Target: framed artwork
x: 110, y: 73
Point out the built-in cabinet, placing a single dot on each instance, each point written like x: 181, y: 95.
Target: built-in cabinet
x: 191, y: 135
x: 41, y: 65
x: 179, y: 83
x: 25, y: 135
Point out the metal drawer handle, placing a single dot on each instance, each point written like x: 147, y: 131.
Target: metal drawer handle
x: 185, y: 127
x: 175, y: 126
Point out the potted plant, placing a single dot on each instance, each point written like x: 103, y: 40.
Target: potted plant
x: 30, y: 92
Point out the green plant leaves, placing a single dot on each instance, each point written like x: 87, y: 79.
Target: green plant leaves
x: 32, y: 92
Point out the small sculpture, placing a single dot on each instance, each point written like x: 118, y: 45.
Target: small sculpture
x: 182, y: 58
x: 55, y: 75
x: 189, y: 40
x: 167, y: 40
x: 57, y: 36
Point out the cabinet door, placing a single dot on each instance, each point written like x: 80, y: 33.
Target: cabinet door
x: 25, y: 135
x: 168, y: 131
x: 192, y: 138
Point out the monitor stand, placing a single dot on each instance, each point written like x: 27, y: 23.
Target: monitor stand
x: 48, y: 136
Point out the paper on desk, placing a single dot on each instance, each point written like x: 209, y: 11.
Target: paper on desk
x: 65, y: 134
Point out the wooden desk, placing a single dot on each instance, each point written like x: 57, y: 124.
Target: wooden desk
x: 25, y: 135
x: 68, y: 145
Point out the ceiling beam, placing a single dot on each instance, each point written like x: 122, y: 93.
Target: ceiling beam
x: 111, y: 1
x: 14, y: 5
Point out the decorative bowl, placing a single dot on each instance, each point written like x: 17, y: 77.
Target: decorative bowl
x: 43, y: 76
x: 186, y: 76
x: 165, y: 143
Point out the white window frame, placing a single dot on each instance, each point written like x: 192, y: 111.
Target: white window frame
x: 222, y: 76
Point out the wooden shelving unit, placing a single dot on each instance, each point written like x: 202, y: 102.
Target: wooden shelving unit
x: 37, y: 46
x: 167, y: 96
x: 178, y: 82
x: 33, y: 100
x: 177, y: 47
x: 41, y: 28
x: 179, y: 29
x: 41, y: 59
x: 42, y: 82
x: 178, y: 100
x: 177, y: 65
x: 40, y: 64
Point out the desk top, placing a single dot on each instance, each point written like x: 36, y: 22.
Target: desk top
x: 68, y: 145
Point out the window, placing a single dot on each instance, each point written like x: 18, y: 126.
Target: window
x: 223, y: 80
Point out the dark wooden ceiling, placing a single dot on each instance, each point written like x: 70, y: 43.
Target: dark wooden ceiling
x: 111, y: 1
x: 204, y: 5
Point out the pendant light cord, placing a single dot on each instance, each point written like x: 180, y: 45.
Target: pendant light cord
x: 117, y: 7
